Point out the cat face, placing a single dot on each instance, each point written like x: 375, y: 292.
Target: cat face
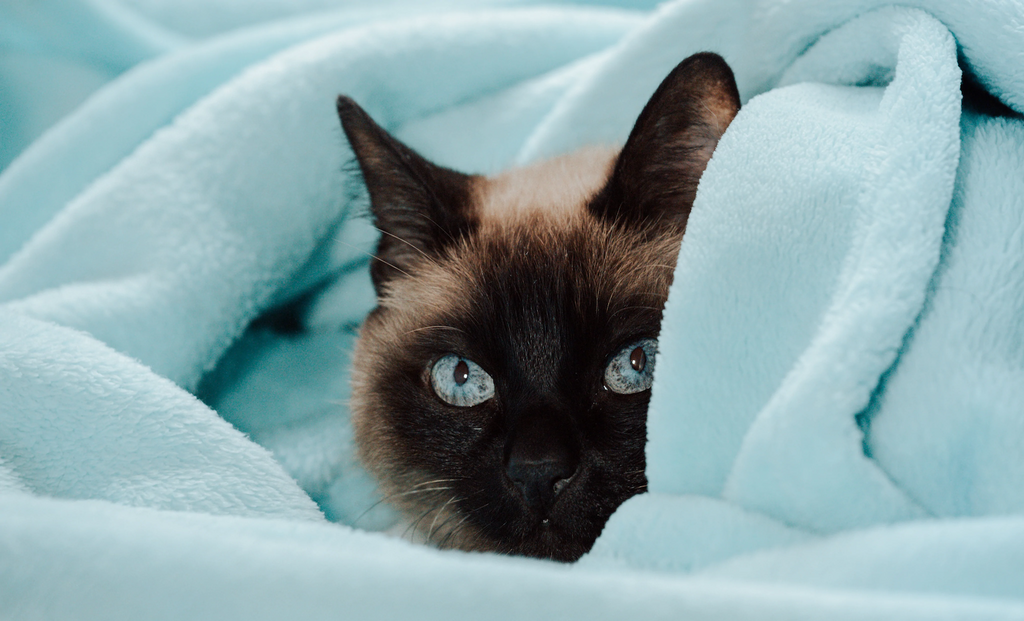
x: 501, y: 385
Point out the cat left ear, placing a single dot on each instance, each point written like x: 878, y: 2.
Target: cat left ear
x: 656, y: 174
x: 419, y: 207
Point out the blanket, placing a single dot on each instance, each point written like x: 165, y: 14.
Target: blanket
x: 837, y: 420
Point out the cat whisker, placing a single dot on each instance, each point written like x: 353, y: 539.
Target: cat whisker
x: 410, y: 244
x: 413, y: 489
x: 373, y: 256
x: 443, y: 488
x: 398, y: 495
x: 455, y: 514
x: 414, y: 526
x: 410, y: 530
x: 458, y: 527
x: 430, y: 531
x: 422, y: 483
x: 452, y: 531
x: 451, y: 516
x: 433, y: 328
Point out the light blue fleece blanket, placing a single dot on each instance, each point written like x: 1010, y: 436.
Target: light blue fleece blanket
x: 837, y: 422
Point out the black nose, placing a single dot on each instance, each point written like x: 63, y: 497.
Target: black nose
x: 540, y: 464
x: 540, y: 481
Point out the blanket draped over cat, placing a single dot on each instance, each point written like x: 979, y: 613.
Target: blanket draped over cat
x: 835, y: 423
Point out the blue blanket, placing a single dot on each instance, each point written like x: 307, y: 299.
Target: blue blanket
x: 837, y: 422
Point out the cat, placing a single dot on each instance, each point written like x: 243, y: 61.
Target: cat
x: 501, y: 385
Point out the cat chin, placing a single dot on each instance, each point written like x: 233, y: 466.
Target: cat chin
x: 545, y: 541
x: 551, y: 539
x: 548, y: 544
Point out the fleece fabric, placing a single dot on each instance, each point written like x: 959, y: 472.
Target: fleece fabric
x: 837, y: 420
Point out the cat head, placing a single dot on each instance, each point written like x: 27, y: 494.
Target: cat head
x: 500, y: 387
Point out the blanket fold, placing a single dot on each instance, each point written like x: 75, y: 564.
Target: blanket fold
x: 835, y: 425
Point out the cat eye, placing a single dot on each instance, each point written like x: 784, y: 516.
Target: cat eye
x: 632, y: 369
x: 460, y: 382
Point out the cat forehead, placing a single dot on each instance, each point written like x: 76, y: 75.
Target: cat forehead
x: 555, y: 187
x: 535, y: 257
x: 534, y: 235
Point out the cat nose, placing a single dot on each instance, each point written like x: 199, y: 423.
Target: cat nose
x: 540, y: 465
x: 540, y: 481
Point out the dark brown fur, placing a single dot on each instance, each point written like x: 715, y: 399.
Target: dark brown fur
x: 540, y: 296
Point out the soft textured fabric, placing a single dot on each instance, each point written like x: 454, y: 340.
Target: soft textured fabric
x: 837, y: 422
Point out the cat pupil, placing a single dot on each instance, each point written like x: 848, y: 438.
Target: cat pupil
x: 638, y: 359
x: 461, y: 372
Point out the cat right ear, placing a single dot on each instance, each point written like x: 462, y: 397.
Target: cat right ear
x: 419, y: 207
x: 656, y: 174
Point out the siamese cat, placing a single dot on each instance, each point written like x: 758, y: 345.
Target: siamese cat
x: 500, y: 387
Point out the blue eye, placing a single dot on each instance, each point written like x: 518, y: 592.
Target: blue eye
x: 632, y: 369
x: 460, y: 382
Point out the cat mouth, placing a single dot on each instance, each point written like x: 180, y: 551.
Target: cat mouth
x: 550, y: 540
x: 558, y: 533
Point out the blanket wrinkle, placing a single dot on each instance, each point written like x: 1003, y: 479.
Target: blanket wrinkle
x: 104, y: 426
x: 874, y: 305
x: 834, y: 430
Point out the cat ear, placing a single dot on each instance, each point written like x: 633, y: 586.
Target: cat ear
x: 656, y: 174
x: 419, y: 207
